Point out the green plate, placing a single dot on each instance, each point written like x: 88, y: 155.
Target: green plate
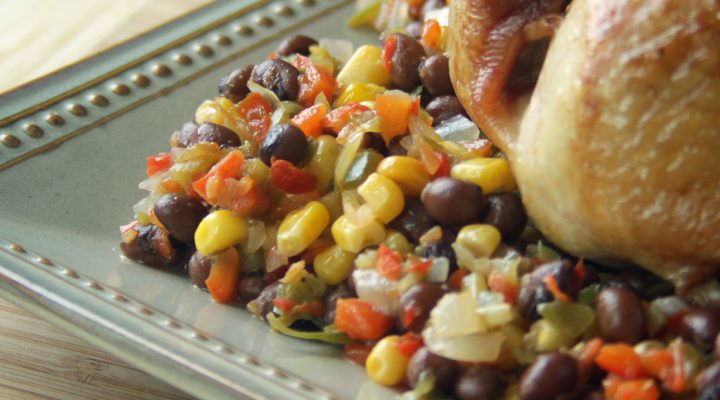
x: 72, y: 150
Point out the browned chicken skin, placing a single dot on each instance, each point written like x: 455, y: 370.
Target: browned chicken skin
x: 616, y: 150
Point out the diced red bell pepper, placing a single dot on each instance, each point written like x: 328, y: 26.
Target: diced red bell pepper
x: 421, y: 267
x: 310, y: 120
x: 431, y: 34
x: 360, y: 320
x: 631, y: 389
x: 394, y: 109
x: 444, y: 166
x: 224, y: 275
x: 499, y: 283
x: 158, y: 163
x: 340, y: 117
x: 284, y: 305
x: 242, y: 195
x: 621, y: 360
x: 229, y: 166
x: 291, y: 179
x: 388, y: 50
x: 552, y: 285
x: 388, y: 263
x: 455, y: 279
x: 255, y: 111
x: 313, y: 81
x: 408, y: 344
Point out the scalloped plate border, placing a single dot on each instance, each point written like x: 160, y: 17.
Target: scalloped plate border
x: 141, y: 78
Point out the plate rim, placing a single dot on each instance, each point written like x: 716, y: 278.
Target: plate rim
x: 63, y: 296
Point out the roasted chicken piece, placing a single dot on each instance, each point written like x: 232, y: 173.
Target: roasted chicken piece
x: 616, y: 145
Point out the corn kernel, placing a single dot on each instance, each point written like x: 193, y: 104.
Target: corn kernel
x: 410, y: 174
x: 354, y: 237
x: 383, y: 195
x: 544, y: 336
x: 480, y: 239
x: 333, y: 265
x: 385, y: 364
x: 358, y: 92
x: 301, y: 227
x: 321, y: 57
x: 219, y: 230
x: 325, y: 151
x: 396, y: 241
x: 365, y: 66
x: 493, y: 175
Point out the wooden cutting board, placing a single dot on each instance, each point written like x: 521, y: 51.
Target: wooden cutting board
x: 38, y: 360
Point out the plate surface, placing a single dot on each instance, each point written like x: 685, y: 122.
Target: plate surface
x: 72, y: 150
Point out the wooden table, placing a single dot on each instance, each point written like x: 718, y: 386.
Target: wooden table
x: 38, y: 360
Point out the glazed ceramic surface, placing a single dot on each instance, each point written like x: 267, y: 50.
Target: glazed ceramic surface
x: 72, y: 150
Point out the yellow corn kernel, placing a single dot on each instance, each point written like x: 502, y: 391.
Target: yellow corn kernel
x: 333, y: 265
x: 365, y: 66
x: 491, y: 174
x: 219, y: 230
x: 354, y: 237
x: 358, y: 92
x: 325, y: 151
x: 410, y: 174
x: 385, y: 364
x: 396, y: 241
x: 321, y: 57
x: 301, y: 227
x: 383, y: 195
x: 480, y: 239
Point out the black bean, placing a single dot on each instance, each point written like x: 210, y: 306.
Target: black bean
x: 417, y: 302
x: 284, y: 142
x: 480, y: 383
x: 700, y: 326
x: 342, y: 291
x: 280, y: 77
x: 507, y: 214
x: 435, y: 75
x: 375, y: 141
x: 180, y: 214
x: 151, y: 246
x: 534, y: 291
x: 444, y: 107
x: 717, y: 346
x: 451, y: 201
x: 549, y: 376
x: 234, y: 85
x: 414, y: 220
x: 405, y: 61
x: 263, y: 303
x: 183, y: 137
x: 414, y: 29
x: 199, y: 269
x: 208, y: 132
x: 431, y: 5
x: 295, y: 44
x: 621, y: 315
x: 442, y: 248
x: 443, y: 369
x: 395, y: 148
x: 250, y: 287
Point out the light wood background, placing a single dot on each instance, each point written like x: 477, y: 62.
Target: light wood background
x: 38, y: 360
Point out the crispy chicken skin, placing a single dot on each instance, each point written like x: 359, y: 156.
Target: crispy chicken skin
x: 616, y: 150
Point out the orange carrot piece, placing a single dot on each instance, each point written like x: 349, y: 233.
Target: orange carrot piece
x: 360, y: 320
x: 223, y: 278
x: 620, y: 359
x: 394, y: 110
x: 310, y: 120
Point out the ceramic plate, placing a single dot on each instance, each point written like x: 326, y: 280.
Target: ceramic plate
x: 72, y: 150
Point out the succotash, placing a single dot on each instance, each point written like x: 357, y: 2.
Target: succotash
x: 346, y: 197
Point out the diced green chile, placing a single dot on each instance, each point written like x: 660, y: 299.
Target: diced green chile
x: 364, y: 164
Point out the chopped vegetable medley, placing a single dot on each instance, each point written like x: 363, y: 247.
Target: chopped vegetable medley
x: 344, y: 196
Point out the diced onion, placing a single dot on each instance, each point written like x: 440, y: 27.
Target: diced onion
x: 457, y: 129
x: 439, y: 270
x: 377, y: 290
x: 339, y: 49
x: 478, y: 347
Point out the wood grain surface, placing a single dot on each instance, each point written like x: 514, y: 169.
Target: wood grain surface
x: 39, y: 360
